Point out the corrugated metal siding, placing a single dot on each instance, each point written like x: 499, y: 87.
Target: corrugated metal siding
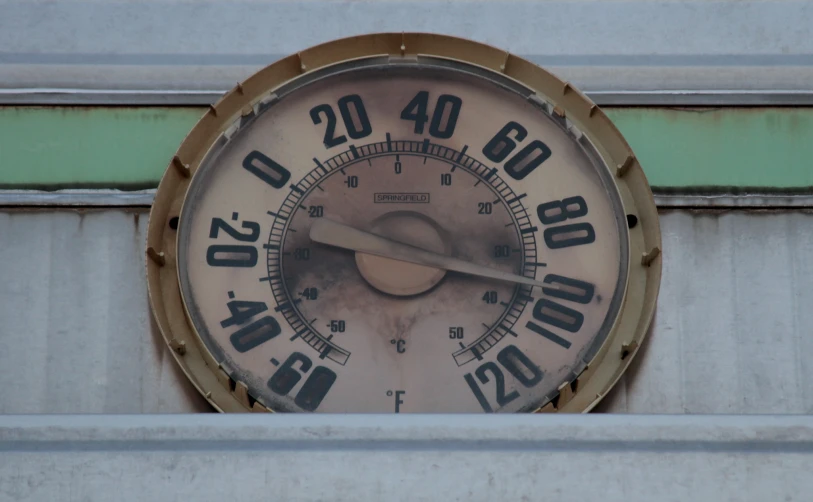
x: 731, y: 335
x: 76, y: 334
x: 732, y: 329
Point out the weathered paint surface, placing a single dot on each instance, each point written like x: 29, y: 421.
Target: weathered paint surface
x: 76, y: 334
x: 58, y: 147
x: 731, y: 334
x: 370, y: 458
x: 721, y: 147
x: 678, y: 148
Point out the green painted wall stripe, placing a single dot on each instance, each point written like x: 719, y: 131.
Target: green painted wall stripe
x: 80, y: 147
x: 727, y: 147
x: 129, y: 148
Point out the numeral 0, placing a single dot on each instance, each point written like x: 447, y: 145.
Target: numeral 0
x: 256, y: 333
x: 263, y: 167
x: 230, y: 255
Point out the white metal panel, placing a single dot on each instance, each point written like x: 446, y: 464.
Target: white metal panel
x: 630, y: 51
x: 731, y: 334
x: 76, y: 332
x: 372, y: 458
x: 732, y: 329
x: 667, y: 199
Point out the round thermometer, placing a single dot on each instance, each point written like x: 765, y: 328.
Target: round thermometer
x: 402, y: 223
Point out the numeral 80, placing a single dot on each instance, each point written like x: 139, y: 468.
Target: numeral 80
x: 573, y: 234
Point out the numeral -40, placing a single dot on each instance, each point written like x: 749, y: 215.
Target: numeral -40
x: 250, y: 335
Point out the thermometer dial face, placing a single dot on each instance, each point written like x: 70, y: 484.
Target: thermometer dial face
x: 403, y: 223
x: 315, y: 240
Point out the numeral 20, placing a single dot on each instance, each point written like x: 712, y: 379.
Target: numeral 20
x: 354, y: 116
x: 518, y: 365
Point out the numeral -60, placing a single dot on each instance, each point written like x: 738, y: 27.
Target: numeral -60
x: 313, y: 390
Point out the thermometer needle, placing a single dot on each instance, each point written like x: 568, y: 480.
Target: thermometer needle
x: 337, y: 234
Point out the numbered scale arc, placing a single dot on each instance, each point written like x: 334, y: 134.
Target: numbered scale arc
x: 220, y: 338
x: 336, y: 165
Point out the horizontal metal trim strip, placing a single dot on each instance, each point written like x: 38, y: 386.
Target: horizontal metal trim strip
x: 733, y: 201
x: 413, y: 445
x: 144, y: 198
x: 235, y: 59
x: 107, y: 97
x: 76, y: 198
x: 169, y: 97
x: 702, y: 98
x: 326, y: 427
x: 406, y: 457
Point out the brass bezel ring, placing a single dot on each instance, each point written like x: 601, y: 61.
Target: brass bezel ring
x: 644, y: 268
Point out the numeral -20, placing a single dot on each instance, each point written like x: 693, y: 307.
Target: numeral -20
x: 233, y: 255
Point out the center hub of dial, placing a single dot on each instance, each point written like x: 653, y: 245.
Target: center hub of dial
x: 398, y: 277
